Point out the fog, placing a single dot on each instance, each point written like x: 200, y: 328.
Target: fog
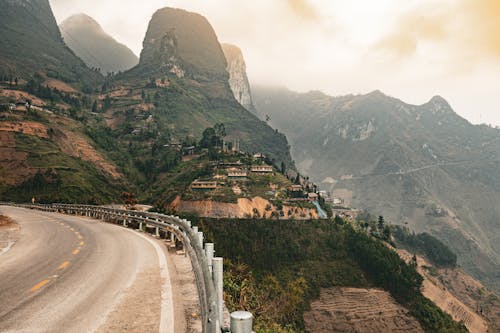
x: 411, y: 50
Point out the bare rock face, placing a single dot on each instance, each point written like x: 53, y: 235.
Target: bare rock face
x: 238, y: 79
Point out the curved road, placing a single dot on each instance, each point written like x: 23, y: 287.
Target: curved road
x: 70, y: 274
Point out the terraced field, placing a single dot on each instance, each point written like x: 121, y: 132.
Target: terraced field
x: 353, y: 310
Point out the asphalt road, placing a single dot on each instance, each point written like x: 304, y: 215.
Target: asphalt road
x: 67, y: 274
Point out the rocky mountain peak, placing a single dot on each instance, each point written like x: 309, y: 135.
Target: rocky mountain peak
x: 238, y: 80
x: 181, y: 42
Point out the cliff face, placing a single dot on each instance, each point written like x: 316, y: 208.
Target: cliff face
x: 238, y: 80
x: 94, y: 46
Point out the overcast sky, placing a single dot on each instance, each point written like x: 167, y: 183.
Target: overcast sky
x: 412, y: 49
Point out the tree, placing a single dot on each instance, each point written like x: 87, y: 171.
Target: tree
x: 283, y: 168
x: 381, y: 222
x: 209, y: 138
x: 220, y: 132
x: 107, y: 102
x: 129, y: 199
x: 94, y: 107
x: 297, y: 179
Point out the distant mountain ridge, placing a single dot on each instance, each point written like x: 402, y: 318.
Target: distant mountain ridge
x: 422, y: 165
x: 31, y: 43
x: 96, y: 47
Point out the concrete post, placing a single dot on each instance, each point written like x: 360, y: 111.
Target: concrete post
x: 158, y: 232
x: 241, y: 322
x: 140, y: 226
x: 218, y: 268
x: 195, y: 229
x: 172, y: 237
x: 209, y: 253
x: 125, y: 223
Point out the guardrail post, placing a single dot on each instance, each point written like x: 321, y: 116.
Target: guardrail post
x: 218, y: 277
x: 140, y: 226
x: 200, y: 239
x: 209, y: 253
x: 241, y: 322
x: 157, y: 232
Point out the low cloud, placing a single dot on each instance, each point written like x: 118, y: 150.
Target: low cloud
x: 468, y: 29
x: 411, y: 29
x: 303, y: 9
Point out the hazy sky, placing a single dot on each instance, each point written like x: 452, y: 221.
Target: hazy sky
x: 412, y: 49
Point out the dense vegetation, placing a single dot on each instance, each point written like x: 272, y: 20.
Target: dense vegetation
x: 276, y: 268
x: 427, y: 245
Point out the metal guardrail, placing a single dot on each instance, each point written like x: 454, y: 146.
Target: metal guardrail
x: 191, y: 239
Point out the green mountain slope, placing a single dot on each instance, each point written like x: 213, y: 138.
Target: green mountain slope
x: 31, y: 42
x: 419, y: 165
x: 94, y: 46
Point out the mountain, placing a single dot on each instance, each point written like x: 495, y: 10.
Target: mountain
x: 238, y: 80
x: 421, y: 165
x: 31, y: 43
x: 94, y: 46
x: 182, y: 82
x: 181, y: 42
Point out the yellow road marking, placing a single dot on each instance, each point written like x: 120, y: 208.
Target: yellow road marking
x: 76, y: 251
x: 64, y: 265
x: 82, y: 243
x: 39, y: 285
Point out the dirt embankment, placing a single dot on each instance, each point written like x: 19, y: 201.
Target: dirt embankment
x: 436, y: 291
x: 244, y: 208
x: 353, y: 310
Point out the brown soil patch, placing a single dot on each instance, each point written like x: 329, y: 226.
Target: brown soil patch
x: 59, y: 85
x: 25, y: 127
x: 243, y: 209
x: 119, y: 92
x: 436, y: 291
x: 5, y: 221
x: 352, y: 310
x: 21, y: 96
